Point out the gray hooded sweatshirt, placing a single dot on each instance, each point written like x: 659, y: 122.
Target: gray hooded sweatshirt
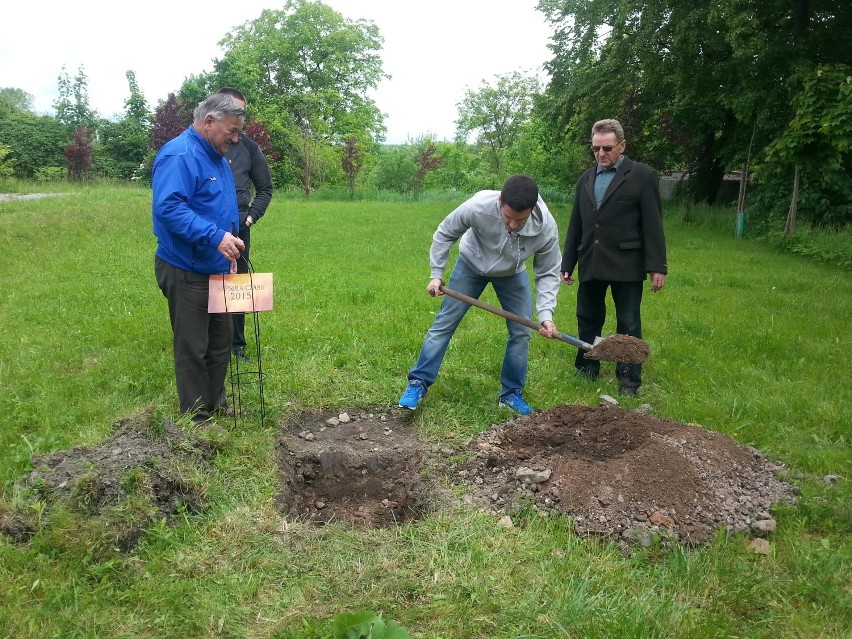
x: 491, y: 250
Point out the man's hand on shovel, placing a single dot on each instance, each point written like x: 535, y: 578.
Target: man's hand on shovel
x: 548, y: 329
x: 434, y: 288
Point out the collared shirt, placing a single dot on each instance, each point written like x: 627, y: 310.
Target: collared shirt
x: 603, y: 178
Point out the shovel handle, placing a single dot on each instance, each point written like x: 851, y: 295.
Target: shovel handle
x: 513, y: 317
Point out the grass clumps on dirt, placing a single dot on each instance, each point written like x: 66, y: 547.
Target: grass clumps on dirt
x: 107, y: 495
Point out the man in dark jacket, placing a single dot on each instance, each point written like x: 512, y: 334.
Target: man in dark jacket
x: 250, y: 170
x: 615, y: 233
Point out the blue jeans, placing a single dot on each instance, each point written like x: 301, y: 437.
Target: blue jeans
x: 514, y: 295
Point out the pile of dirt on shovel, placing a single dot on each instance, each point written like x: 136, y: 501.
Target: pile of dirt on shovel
x: 620, y: 348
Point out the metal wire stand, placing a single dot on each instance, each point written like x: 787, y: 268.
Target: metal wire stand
x: 243, y: 381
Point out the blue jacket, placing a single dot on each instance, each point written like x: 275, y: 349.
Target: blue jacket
x: 194, y: 204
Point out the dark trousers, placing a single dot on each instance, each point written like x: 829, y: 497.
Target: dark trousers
x: 238, y: 341
x: 201, y: 340
x: 591, y: 314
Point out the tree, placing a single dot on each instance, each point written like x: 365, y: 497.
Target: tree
x: 72, y: 103
x: 17, y: 99
x: 462, y: 169
x: 810, y: 160
x: 352, y: 161
x: 258, y: 132
x: 497, y: 112
x: 307, y: 72
x: 644, y: 63
x: 689, y: 79
x: 425, y: 161
x: 78, y: 154
x: 123, y: 146
x: 394, y: 169
x: 135, y: 106
x: 555, y: 161
x: 171, y: 118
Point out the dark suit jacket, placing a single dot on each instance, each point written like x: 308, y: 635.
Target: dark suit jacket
x: 624, y: 239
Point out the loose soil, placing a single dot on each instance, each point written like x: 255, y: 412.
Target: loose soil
x: 619, y: 473
x: 150, y: 460
x: 368, y: 467
x: 620, y: 348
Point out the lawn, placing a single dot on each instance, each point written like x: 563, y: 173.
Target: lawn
x: 745, y: 340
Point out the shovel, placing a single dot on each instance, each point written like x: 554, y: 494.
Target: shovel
x: 619, y: 348
x: 517, y: 318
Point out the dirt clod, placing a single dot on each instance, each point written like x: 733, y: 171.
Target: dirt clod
x: 148, y: 460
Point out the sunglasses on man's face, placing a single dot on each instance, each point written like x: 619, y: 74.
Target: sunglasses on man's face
x: 605, y: 149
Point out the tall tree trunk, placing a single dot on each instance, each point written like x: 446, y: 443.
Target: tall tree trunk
x: 790, y: 228
x: 801, y: 18
x: 707, y: 178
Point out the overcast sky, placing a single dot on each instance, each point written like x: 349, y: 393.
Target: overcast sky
x: 434, y: 49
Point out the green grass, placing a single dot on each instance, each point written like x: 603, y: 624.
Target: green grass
x: 744, y: 340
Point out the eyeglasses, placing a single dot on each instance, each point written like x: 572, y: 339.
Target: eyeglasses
x: 605, y: 149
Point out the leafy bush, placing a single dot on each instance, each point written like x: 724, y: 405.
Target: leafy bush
x: 817, y: 140
x: 51, y: 174
x: 34, y: 142
x: 7, y: 164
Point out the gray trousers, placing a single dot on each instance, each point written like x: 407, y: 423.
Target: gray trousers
x: 202, y: 340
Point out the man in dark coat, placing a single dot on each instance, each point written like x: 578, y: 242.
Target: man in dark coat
x: 615, y: 234
x: 251, y: 173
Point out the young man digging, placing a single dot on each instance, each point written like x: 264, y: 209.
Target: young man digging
x: 499, y: 231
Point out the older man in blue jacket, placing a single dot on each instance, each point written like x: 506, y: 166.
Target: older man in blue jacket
x: 196, y: 223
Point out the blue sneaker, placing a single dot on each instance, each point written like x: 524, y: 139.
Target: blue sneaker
x: 413, y: 394
x: 516, y: 402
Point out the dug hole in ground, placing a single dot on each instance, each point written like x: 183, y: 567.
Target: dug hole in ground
x: 623, y: 474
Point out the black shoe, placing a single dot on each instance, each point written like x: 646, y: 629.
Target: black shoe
x: 224, y: 410
x: 627, y: 391
x: 586, y: 373
x: 240, y: 354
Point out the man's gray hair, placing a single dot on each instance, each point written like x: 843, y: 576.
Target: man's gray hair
x: 219, y: 105
x: 609, y: 126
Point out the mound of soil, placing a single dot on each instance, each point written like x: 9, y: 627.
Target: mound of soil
x: 619, y: 473
x: 627, y: 473
x: 616, y: 472
x: 147, y: 459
